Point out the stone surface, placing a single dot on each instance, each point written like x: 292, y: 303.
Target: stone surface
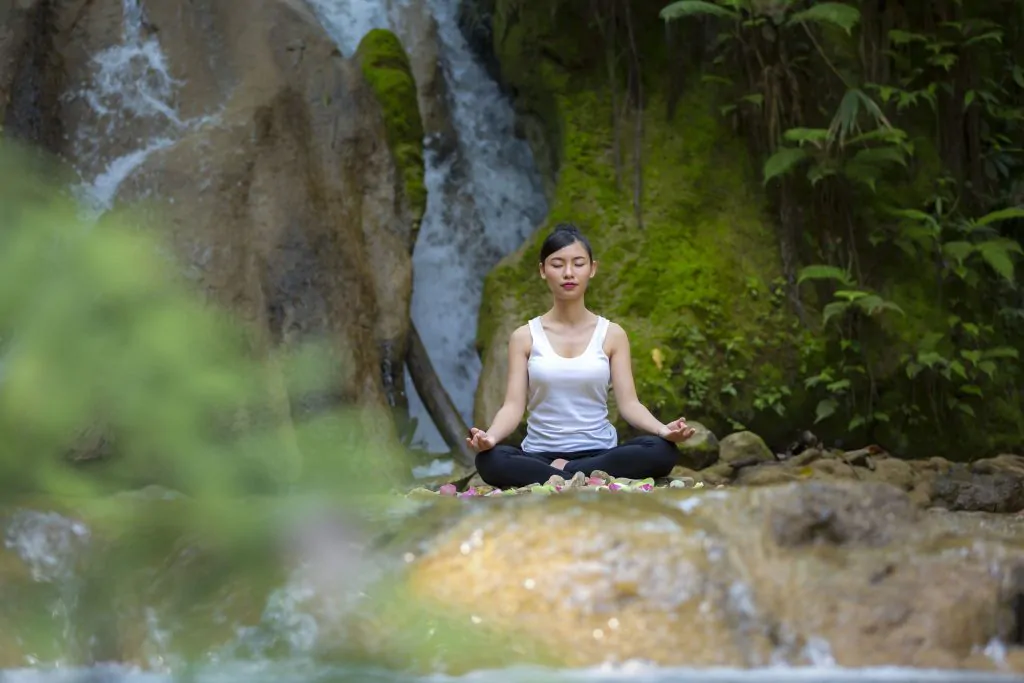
x: 746, y: 576
x: 276, y: 187
x: 744, y: 446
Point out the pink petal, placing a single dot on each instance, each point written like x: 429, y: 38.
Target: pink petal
x: 448, y: 490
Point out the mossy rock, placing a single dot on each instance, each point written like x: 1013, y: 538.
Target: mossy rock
x: 697, y: 287
x: 385, y: 66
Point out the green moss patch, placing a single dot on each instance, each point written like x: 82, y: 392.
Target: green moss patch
x: 386, y: 68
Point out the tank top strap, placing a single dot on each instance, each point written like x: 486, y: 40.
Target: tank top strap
x: 541, y: 346
x: 600, y: 332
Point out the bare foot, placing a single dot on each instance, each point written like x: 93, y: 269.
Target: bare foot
x: 559, y: 464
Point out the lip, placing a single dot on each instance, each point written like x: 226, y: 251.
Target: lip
x: 569, y: 285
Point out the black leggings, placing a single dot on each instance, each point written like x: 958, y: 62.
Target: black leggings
x: 645, y: 456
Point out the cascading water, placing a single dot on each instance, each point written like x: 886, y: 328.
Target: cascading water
x: 131, y: 96
x: 483, y: 200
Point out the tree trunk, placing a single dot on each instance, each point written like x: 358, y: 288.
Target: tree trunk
x: 436, y: 400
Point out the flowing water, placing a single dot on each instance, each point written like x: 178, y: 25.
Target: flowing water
x: 131, y: 98
x: 483, y: 201
x: 294, y: 620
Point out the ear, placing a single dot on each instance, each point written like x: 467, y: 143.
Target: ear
x: 540, y: 269
x: 593, y: 268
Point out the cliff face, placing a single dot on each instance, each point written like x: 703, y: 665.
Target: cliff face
x: 287, y: 177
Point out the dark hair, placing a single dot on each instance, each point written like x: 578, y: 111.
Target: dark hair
x: 562, y: 236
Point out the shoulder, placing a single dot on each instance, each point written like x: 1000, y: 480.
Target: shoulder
x: 521, y: 338
x: 615, y: 339
x: 616, y: 332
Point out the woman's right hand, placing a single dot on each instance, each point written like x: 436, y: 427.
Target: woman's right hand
x: 479, y: 440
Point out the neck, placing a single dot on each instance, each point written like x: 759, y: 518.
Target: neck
x: 569, y: 312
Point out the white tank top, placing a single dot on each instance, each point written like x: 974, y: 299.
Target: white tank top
x: 568, y: 397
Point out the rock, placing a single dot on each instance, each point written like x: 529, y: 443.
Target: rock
x: 817, y: 512
x: 959, y: 489
x: 743, y: 577
x: 700, y: 450
x: 30, y: 73
x: 680, y: 472
x: 761, y: 476
x: 302, y: 223
x: 387, y: 69
x: 897, y: 472
x: 742, y: 446
x: 416, y: 26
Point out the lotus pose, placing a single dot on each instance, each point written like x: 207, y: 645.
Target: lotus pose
x: 559, y: 367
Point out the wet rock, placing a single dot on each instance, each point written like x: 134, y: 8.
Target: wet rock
x: 700, y: 450
x: 748, y: 576
x: 817, y: 512
x: 743, y: 446
x: 960, y: 489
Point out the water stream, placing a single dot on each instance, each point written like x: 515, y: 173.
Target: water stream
x: 483, y: 201
x: 296, y: 619
x: 132, y: 108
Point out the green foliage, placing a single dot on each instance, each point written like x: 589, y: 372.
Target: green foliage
x: 100, y: 335
x: 840, y: 105
x: 386, y: 68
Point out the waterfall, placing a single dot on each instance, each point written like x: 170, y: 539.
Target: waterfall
x: 483, y: 200
x: 131, y: 99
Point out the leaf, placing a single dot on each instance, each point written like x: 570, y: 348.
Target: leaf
x: 832, y: 310
x: 997, y: 36
x: 958, y: 250
x: 657, y: 357
x: 688, y: 8
x: 835, y: 13
x: 873, y: 304
x: 1018, y: 76
x: 964, y: 408
x: 826, y: 408
x: 1001, y: 352
x: 968, y: 98
x: 898, y: 37
x: 823, y: 272
x: 849, y: 294
x: 1000, y: 215
x: 802, y: 135
x: 997, y: 255
x: 972, y: 389
x: 783, y: 161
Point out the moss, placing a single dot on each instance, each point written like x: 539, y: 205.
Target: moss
x: 698, y: 287
x: 385, y: 66
x: 693, y: 287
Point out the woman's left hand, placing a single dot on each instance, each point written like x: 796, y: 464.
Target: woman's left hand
x: 677, y: 431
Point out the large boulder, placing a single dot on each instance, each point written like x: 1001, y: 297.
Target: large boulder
x: 287, y: 177
x: 804, y: 573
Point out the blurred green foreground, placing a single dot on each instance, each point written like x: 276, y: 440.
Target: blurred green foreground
x: 171, y: 539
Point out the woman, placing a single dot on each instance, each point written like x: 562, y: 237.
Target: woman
x: 559, y: 367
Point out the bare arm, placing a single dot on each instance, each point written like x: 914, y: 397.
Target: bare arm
x: 630, y: 408
x: 511, y: 413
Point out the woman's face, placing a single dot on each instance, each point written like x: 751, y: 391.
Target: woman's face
x: 568, y: 271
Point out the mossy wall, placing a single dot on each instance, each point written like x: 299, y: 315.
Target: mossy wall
x: 698, y: 287
x: 385, y: 66
x: 694, y: 287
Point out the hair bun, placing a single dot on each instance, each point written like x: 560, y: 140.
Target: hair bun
x: 567, y: 227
